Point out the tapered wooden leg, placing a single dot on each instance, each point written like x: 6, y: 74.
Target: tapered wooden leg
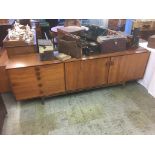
x: 124, y: 84
x: 42, y: 100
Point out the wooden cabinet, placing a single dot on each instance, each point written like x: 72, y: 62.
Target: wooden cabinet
x: 44, y: 78
x: 86, y: 74
x: 100, y: 71
x: 127, y: 67
x: 37, y: 81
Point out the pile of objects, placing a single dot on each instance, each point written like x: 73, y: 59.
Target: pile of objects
x: 91, y: 41
x: 21, y: 32
x: 94, y: 40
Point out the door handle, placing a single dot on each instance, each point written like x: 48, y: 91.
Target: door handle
x: 111, y: 63
x: 40, y: 85
x: 37, y: 68
x: 107, y: 63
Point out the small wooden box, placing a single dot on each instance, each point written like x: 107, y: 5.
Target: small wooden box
x: 18, y: 47
x: 113, y: 43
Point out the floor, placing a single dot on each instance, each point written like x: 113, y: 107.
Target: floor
x: 114, y: 110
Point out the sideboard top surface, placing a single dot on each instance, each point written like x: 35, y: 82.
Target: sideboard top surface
x: 34, y: 59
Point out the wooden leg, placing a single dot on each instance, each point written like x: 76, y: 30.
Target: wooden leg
x: 42, y: 100
x: 124, y: 84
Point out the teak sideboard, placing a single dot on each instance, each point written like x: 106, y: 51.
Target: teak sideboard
x: 29, y: 77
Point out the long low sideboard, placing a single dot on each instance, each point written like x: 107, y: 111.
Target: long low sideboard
x: 30, y: 78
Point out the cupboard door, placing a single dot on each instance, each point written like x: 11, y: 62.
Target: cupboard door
x: 95, y: 72
x: 24, y: 83
x: 127, y: 67
x: 85, y: 74
x: 52, y: 79
x: 73, y: 75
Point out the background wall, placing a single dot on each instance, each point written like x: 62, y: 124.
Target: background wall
x: 98, y: 22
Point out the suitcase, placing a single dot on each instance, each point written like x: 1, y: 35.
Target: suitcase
x: 112, y: 43
x: 70, y: 44
x: 70, y: 48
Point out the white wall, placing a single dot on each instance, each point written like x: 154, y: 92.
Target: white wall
x: 149, y: 78
x: 151, y: 88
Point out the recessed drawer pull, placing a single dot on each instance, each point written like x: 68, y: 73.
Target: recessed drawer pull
x: 37, y: 68
x: 14, y: 84
x: 41, y: 92
x: 107, y: 63
x: 111, y: 63
x: 40, y: 85
x: 38, y: 78
x: 37, y: 74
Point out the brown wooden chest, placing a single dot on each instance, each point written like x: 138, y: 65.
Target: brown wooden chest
x: 112, y: 43
x: 18, y: 47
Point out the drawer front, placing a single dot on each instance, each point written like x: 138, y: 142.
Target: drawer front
x: 74, y: 76
x: 24, y: 83
x: 52, y: 79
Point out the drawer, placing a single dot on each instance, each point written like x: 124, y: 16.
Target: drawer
x: 37, y: 81
x: 24, y: 83
x: 52, y: 78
